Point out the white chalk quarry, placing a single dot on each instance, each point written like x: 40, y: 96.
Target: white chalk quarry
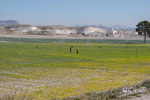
x: 59, y: 29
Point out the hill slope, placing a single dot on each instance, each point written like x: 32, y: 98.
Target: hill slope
x: 6, y: 23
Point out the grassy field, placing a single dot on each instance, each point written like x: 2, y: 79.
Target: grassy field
x: 49, y: 70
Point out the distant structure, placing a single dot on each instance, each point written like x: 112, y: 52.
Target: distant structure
x: 111, y: 31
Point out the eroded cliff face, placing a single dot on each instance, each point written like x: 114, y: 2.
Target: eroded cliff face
x: 25, y: 29
x: 59, y: 29
x: 71, y: 30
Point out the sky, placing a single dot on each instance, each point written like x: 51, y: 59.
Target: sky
x: 76, y: 12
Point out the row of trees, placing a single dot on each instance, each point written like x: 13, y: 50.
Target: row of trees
x: 143, y: 28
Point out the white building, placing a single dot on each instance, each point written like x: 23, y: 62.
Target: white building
x: 111, y: 31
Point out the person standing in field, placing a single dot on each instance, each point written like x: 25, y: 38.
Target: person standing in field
x: 77, y: 50
x: 71, y: 49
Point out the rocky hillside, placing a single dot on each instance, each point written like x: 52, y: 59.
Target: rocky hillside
x: 116, y: 27
x: 6, y: 23
x: 59, y: 30
x: 71, y: 30
x: 23, y: 29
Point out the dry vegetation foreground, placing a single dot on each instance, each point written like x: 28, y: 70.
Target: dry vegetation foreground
x: 48, y: 70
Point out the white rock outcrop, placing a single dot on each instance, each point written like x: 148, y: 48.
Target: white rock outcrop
x: 59, y: 29
x: 72, y: 30
x: 23, y: 28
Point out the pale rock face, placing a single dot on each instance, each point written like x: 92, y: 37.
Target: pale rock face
x: 68, y: 30
x: 130, y: 32
x: 25, y: 29
x: 93, y: 30
x: 63, y: 31
x: 59, y: 29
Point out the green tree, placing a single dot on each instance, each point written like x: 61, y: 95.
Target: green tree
x: 143, y: 28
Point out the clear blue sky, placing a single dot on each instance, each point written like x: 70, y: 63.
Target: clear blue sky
x: 73, y: 12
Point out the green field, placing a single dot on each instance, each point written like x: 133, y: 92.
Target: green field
x: 51, y: 71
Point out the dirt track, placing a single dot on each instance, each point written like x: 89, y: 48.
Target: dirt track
x: 65, y: 37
